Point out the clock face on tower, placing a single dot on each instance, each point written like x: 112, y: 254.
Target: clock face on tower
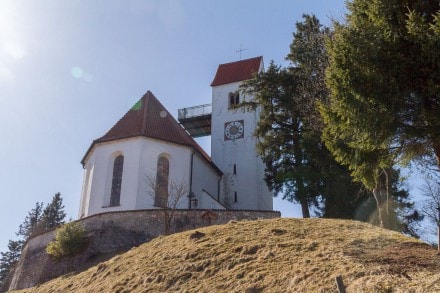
x: 234, y: 129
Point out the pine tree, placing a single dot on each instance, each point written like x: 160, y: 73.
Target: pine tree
x: 9, y: 258
x: 53, y: 214
x: 298, y: 165
x: 280, y: 136
x: 37, y: 221
x: 25, y: 230
x: 31, y: 222
x: 383, y: 75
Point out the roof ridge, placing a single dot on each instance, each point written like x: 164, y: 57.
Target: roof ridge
x: 182, y: 130
x: 242, y: 60
x: 146, y: 99
x: 149, y: 118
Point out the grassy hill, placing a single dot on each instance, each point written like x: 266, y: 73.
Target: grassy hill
x: 281, y: 255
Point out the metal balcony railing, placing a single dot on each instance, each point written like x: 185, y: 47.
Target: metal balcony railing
x: 193, y: 112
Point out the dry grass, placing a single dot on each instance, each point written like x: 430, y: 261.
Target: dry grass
x: 281, y: 255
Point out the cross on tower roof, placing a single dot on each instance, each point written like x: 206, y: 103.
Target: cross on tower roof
x: 240, y: 50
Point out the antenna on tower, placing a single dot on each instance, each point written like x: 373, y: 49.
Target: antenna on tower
x: 241, y: 50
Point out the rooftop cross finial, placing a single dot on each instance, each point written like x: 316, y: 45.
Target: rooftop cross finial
x: 241, y: 50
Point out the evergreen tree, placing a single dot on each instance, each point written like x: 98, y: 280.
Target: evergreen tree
x: 31, y: 222
x: 384, y: 105
x: 280, y: 136
x: 25, y: 230
x: 70, y: 239
x: 37, y: 221
x: 53, y: 214
x: 298, y: 165
x: 9, y: 258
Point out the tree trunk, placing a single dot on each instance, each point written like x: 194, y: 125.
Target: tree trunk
x: 381, y: 194
x: 304, y: 208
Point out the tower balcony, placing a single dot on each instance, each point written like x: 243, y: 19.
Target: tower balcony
x: 196, y: 120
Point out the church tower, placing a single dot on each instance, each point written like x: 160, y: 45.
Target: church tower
x: 233, y: 144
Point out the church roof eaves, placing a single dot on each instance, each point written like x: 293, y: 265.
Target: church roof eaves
x: 149, y: 118
x: 237, y: 71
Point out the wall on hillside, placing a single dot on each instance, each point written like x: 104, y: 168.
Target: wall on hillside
x: 111, y: 233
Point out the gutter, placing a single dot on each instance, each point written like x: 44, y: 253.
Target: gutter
x: 191, y: 178
x: 218, y: 187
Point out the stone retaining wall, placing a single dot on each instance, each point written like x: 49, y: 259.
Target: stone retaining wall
x: 112, y: 233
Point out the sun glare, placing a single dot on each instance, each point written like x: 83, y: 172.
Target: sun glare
x: 14, y: 50
x: 11, y: 37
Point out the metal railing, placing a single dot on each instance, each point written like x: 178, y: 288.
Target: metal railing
x: 195, y: 111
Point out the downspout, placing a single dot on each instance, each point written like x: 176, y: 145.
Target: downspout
x: 218, y: 188
x: 191, y: 179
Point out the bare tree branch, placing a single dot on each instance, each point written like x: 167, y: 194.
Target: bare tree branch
x: 176, y: 192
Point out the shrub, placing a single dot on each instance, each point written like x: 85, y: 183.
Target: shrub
x: 69, y: 240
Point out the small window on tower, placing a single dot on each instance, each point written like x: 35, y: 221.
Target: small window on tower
x: 235, y: 169
x: 235, y: 197
x: 234, y: 99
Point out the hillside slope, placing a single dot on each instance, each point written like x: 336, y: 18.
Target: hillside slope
x: 280, y: 255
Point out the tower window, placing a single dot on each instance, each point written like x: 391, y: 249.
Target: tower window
x: 235, y: 169
x: 234, y: 99
x: 118, y: 166
x: 235, y: 197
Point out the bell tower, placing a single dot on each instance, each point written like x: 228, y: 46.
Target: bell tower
x: 233, y: 144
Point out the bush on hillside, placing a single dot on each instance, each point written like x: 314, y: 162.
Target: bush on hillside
x: 69, y: 240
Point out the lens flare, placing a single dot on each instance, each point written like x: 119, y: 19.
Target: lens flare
x: 77, y: 72
x: 137, y: 106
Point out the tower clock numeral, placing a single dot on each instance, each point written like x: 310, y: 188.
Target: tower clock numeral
x: 234, y: 129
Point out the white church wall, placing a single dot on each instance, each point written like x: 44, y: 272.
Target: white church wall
x: 240, y: 189
x: 103, y: 156
x: 265, y: 196
x: 95, y: 196
x: 85, y: 194
x: 140, y: 163
x: 206, y: 201
x: 204, y: 181
x: 179, y: 164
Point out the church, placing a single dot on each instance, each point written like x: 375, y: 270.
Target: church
x: 150, y: 160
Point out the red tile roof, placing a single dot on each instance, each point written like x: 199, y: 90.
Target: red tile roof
x: 237, y: 71
x: 149, y: 118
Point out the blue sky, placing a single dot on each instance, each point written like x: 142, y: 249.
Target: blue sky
x: 70, y: 69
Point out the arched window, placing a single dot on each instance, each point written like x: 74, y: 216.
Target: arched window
x: 118, y: 166
x: 161, y: 192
